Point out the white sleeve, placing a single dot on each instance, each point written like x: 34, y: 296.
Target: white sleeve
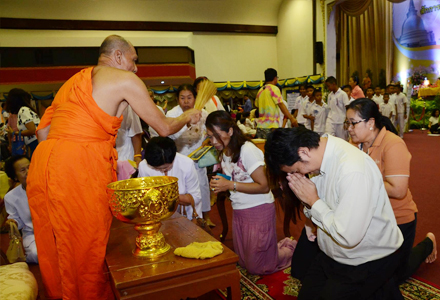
x: 251, y: 157
x: 133, y: 123
x: 345, y: 99
x: 219, y: 103
x: 12, y: 210
x: 143, y: 169
x: 193, y: 188
x: 297, y: 102
x: 348, y: 223
x: 26, y: 115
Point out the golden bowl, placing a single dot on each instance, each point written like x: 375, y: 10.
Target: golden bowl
x: 145, y: 202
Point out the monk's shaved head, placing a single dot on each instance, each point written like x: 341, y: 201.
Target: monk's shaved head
x: 112, y: 43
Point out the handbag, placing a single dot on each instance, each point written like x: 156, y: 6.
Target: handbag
x: 15, y: 250
x: 210, y: 158
x: 205, y: 156
x: 18, y: 146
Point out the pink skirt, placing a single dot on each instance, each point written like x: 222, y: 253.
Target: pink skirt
x: 255, y: 240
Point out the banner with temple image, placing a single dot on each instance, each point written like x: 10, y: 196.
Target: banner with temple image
x: 416, y: 35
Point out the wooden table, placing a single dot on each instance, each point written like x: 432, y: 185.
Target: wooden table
x: 170, y: 277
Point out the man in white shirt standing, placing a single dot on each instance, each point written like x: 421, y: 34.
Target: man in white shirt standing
x: 401, y: 105
x: 337, y: 100
x: 347, y: 201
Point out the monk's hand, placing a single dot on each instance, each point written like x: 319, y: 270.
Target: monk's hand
x: 220, y: 184
x: 194, y: 115
x: 303, y: 188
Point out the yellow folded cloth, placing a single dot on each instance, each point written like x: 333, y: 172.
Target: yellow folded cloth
x: 200, y: 250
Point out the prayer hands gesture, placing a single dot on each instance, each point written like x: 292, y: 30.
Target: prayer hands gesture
x: 303, y: 188
x: 220, y: 184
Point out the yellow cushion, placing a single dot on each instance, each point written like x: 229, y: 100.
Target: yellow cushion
x: 17, y: 282
x: 200, y: 250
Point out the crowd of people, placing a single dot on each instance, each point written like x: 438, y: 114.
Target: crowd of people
x: 341, y: 161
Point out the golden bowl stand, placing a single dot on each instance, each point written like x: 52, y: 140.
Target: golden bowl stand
x: 145, y: 202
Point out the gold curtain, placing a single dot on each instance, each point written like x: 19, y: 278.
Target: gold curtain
x: 354, y: 7
x: 365, y: 42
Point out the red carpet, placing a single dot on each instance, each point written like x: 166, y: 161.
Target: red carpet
x: 424, y: 184
x: 280, y: 286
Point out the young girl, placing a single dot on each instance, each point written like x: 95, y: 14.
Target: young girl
x: 254, y: 228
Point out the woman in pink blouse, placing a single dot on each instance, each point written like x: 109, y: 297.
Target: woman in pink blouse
x: 356, y: 92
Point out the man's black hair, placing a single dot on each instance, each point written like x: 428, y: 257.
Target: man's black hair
x: 347, y: 87
x: 331, y: 80
x: 270, y: 74
x: 281, y: 148
x: 160, y: 151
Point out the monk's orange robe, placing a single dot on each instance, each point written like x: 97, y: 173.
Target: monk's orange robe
x: 67, y: 192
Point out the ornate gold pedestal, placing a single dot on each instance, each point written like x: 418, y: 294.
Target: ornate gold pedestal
x: 145, y: 202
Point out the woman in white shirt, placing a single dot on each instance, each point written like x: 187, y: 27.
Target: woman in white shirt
x: 189, y: 139
x: 433, y: 121
x: 254, y: 223
x: 18, y: 102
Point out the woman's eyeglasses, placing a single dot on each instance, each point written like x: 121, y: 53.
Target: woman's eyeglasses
x: 349, y: 124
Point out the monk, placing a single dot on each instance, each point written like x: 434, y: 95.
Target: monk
x: 75, y: 161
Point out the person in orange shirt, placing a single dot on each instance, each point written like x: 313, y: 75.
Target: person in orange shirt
x: 389, y: 151
x: 75, y: 161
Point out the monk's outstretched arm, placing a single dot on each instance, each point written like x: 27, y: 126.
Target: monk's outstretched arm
x: 136, y: 94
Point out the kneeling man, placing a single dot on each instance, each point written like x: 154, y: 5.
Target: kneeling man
x: 347, y: 200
